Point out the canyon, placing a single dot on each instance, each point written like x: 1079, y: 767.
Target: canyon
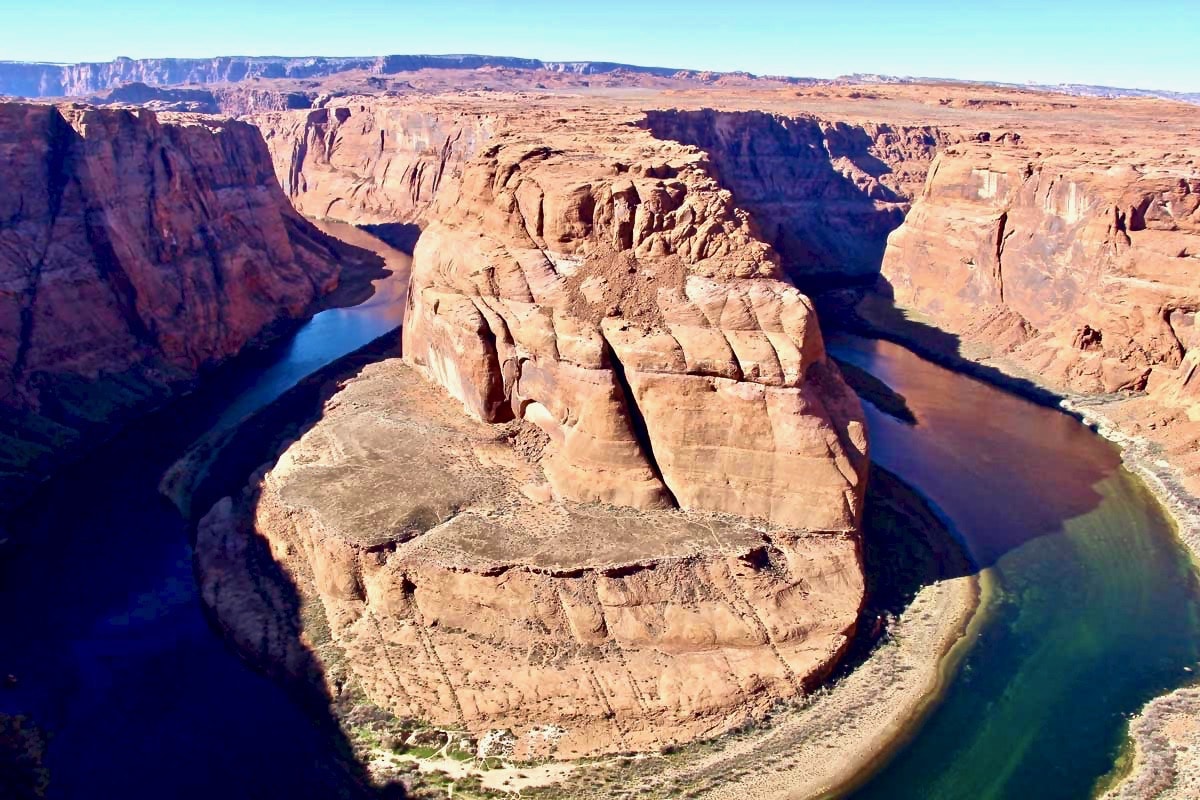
x: 135, y: 253
x: 609, y: 497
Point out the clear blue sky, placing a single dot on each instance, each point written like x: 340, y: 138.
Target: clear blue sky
x: 1151, y: 43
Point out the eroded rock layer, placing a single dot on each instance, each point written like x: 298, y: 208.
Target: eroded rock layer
x: 825, y: 193
x: 134, y: 253
x: 427, y: 566
x: 618, y: 299
x: 611, y: 498
x: 370, y: 162
x: 1076, y: 268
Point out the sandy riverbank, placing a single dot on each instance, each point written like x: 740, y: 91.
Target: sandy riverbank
x: 1164, y: 748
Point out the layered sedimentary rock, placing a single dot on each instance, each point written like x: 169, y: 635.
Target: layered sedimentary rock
x: 134, y: 253
x: 370, y: 162
x: 1076, y: 265
x: 624, y: 304
x: 610, y: 498
x: 228, y: 100
x: 825, y: 194
x: 1092, y: 265
x: 429, y: 569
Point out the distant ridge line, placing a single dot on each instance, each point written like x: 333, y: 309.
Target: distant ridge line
x: 36, y: 79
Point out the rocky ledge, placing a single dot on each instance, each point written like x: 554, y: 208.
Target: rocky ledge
x: 438, y: 576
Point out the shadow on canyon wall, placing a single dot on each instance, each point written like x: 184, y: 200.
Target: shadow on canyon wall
x: 401, y: 235
x: 110, y: 649
x: 270, y: 623
x: 827, y: 228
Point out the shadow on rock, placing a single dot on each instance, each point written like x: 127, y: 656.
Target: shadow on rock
x: 793, y: 175
x: 907, y: 545
x: 982, y: 438
x: 870, y: 311
x: 401, y: 235
x: 270, y: 620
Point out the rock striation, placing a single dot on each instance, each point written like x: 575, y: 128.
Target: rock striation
x: 1088, y: 266
x: 368, y: 162
x: 825, y: 194
x: 135, y: 252
x: 625, y: 305
x: 31, y: 79
x: 610, y: 498
x: 440, y: 582
x: 1077, y: 269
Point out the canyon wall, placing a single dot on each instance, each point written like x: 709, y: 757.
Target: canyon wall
x: 609, y: 499
x: 134, y: 253
x: 369, y: 162
x: 1084, y: 271
x: 824, y: 194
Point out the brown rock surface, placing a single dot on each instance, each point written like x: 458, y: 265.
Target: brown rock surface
x: 1073, y: 264
x: 370, y: 162
x: 643, y: 530
x: 454, y: 592
x: 134, y: 252
x: 614, y: 296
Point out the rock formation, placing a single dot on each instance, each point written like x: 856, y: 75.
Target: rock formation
x: 1089, y: 264
x: 134, y: 253
x: 370, y: 162
x: 599, y: 294
x: 1076, y: 269
x: 228, y: 100
x: 826, y: 194
x: 637, y: 525
x: 26, y: 79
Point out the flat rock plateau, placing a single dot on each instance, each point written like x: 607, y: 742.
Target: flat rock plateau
x: 609, y: 500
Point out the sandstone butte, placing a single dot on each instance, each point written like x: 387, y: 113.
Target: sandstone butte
x: 135, y: 252
x: 610, y: 498
x: 598, y: 284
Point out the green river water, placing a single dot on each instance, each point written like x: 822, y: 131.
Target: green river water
x: 1094, y: 608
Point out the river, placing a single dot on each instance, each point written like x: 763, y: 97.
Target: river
x: 1093, y: 606
x: 1093, y: 610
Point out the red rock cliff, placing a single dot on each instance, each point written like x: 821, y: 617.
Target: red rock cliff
x: 134, y: 252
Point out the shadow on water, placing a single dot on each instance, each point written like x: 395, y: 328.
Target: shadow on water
x: 401, y: 235
x: 908, y: 544
x: 868, y: 310
x: 978, y: 443
x: 104, y: 631
x: 270, y: 627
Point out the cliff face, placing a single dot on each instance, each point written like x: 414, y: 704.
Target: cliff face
x: 230, y: 100
x: 609, y: 499
x: 368, y: 162
x: 439, y: 578
x: 1086, y: 271
x: 825, y: 194
x: 134, y: 252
